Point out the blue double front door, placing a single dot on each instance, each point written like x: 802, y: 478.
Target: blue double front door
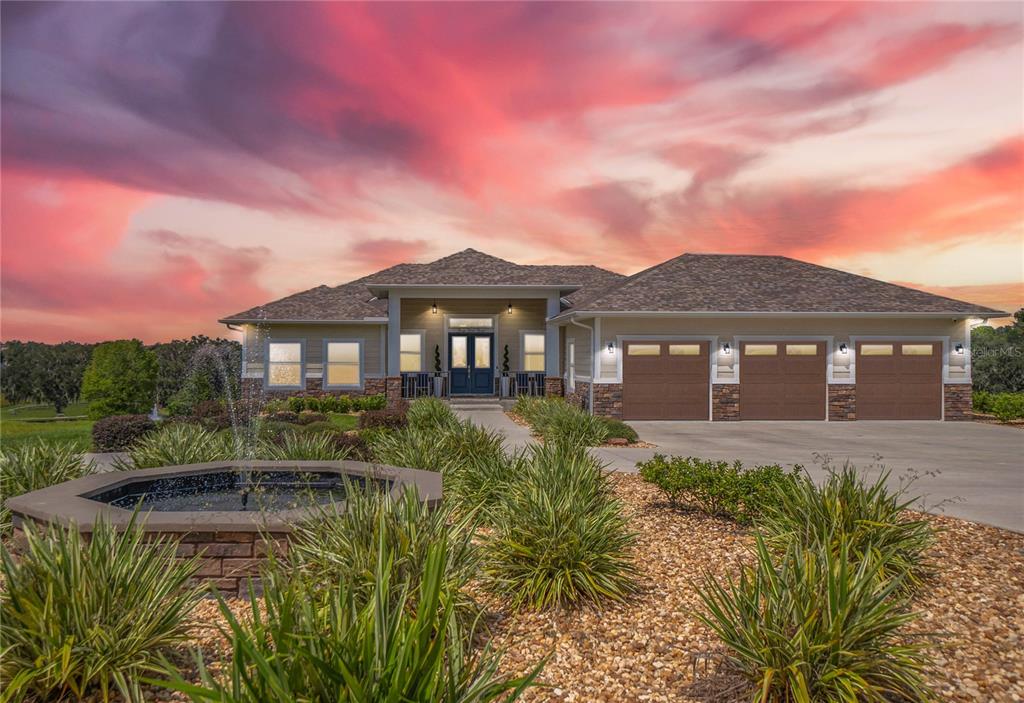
x: 471, y: 363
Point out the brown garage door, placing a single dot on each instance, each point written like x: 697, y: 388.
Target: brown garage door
x: 899, y: 380
x: 782, y: 381
x: 665, y: 380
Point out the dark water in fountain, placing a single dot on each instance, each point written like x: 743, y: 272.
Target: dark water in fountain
x: 235, y: 490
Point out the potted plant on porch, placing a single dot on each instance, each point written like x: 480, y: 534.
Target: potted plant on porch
x: 438, y: 379
x: 504, y: 373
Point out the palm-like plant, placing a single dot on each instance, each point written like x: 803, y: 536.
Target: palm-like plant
x: 314, y: 446
x: 560, y: 538
x: 816, y: 624
x: 35, y: 465
x: 90, y: 616
x: 398, y: 641
x: 177, y: 444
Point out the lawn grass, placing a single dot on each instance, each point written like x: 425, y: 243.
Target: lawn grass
x: 16, y: 425
x: 343, y: 421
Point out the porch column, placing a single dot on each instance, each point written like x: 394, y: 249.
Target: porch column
x: 552, y: 370
x: 393, y: 381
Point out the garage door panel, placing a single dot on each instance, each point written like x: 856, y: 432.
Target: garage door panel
x: 897, y: 385
x: 666, y: 386
x: 788, y: 384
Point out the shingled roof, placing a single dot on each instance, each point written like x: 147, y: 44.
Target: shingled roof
x: 356, y: 301
x: 747, y: 283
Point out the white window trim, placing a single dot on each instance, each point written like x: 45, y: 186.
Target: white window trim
x: 362, y: 365
x: 302, y: 365
x: 423, y: 354
x: 522, y: 349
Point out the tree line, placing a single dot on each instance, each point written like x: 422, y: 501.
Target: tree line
x: 117, y: 376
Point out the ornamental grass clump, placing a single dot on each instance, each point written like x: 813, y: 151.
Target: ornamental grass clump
x: 560, y: 538
x: 430, y: 414
x: 867, y: 516
x: 344, y: 545
x: 306, y: 446
x: 34, y: 465
x: 381, y: 638
x: 176, y: 444
x: 90, y: 617
x: 817, y: 624
x: 556, y: 421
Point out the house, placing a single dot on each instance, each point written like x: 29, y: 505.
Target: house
x: 697, y: 337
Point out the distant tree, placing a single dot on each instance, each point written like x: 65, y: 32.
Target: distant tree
x: 120, y: 379
x: 997, y: 356
x: 18, y: 361
x: 43, y: 372
x: 178, y: 364
x: 59, y: 376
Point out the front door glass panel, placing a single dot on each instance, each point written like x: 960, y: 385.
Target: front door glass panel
x: 460, y: 352
x: 482, y: 355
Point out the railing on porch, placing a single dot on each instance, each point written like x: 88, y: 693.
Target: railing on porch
x: 526, y: 383
x: 418, y: 385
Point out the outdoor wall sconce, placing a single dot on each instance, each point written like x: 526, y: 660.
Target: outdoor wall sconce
x: 959, y: 349
x: 510, y: 307
x: 843, y: 350
x: 726, y: 349
x: 611, y: 347
x: 433, y: 308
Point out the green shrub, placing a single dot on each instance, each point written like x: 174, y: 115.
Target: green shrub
x: 120, y: 379
x: 559, y: 538
x: 335, y: 404
x: 556, y: 421
x: 815, y: 625
x: 869, y: 518
x: 305, y: 446
x: 343, y: 545
x: 308, y: 416
x: 117, y: 432
x: 981, y: 401
x: 83, y: 616
x: 369, y: 402
x: 31, y: 466
x: 617, y: 429
x: 304, y: 645
x: 389, y: 419
x: 296, y: 404
x: 430, y: 414
x: 179, y: 443
x: 275, y: 405
x: 1008, y: 406
x: 718, y: 488
x: 270, y: 431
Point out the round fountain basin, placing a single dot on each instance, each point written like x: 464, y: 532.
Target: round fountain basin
x: 231, y: 513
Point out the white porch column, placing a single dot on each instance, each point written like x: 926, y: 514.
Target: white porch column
x: 551, y: 338
x: 394, y: 333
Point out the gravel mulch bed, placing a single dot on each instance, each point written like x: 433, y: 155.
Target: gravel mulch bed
x: 655, y: 649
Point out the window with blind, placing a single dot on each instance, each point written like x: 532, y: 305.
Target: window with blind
x: 533, y: 351
x: 411, y: 352
x: 284, y: 364
x: 343, y: 361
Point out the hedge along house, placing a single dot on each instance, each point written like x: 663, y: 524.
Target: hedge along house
x: 697, y: 337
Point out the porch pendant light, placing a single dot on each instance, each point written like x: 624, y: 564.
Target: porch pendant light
x: 510, y: 307
x: 433, y: 308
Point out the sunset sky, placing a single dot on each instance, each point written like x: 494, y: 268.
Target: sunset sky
x: 164, y: 165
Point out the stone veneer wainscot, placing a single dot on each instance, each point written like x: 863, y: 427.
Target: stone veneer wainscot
x: 842, y: 401
x: 956, y: 401
x: 608, y: 400
x: 725, y: 401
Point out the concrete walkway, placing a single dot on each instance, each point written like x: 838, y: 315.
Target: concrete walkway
x: 493, y: 417
x: 966, y: 469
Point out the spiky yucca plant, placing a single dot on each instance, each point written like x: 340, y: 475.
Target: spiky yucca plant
x: 815, y: 624
x: 560, y: 538
x: 869, y: 517
x: 179, y: 443
x: 80, y: 617
x: 315, y: 446
x: 35, y: 465
x: 396, y: 641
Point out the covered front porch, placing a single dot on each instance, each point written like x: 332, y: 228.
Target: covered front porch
x: 472, y: 342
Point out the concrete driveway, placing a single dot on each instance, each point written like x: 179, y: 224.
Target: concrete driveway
x: 978, y: 469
